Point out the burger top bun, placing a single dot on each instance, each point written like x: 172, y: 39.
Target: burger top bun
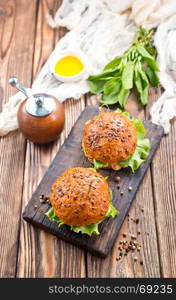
x: 109, y: 138
x: 80, y: 196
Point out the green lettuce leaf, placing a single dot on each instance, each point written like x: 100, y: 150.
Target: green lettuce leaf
x: 112, y: 212
x: 138, y: 157
x: 88, y: 229
x: 51, y: 215
x: 98, y: 164
x: 142, y: 148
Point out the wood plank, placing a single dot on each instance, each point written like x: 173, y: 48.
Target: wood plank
x: 41, y: 254
x: 102, y: 244
x: 16, y: 39
x: 110, y: 267
x: 164, y: 189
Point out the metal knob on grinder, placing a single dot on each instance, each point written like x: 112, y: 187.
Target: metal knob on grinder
x: 41, y: 117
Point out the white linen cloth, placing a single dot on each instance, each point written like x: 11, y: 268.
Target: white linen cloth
x: 164, y: 109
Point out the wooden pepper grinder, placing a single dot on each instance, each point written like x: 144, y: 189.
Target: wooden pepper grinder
x: 41, y: 117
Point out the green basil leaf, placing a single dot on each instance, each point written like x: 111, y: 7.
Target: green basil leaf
x: 123, y: 96
x: 147, y: 57
x: 112, y: 86
x: 144, y: 96
x: 105, y: 75
x: 127, y: 76
x: 142, y: 84
x: 153, y: 77
x: 138, y: 84
x: 109, y: 99
x: 113, y: 63
x: 144, y: 52
x: 96, y: 86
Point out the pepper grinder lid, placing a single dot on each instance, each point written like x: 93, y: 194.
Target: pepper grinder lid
x: 40, y: 105
x: 37, y: 105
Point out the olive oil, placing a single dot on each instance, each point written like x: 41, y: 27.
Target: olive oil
x: 68, y: 66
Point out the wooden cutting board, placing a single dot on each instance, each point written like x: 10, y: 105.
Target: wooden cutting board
x: 70, y: 155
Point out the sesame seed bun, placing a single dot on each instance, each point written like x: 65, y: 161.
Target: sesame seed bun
x: 109, y: 138
x: 80, y: 197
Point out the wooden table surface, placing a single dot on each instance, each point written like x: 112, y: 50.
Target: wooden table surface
x: 25, y: 44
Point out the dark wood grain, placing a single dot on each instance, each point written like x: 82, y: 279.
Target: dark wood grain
x: 163, y: 170
x: 70, y: 155
x: 17, y: 32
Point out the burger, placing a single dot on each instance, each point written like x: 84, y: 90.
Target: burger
x: 115, y: 140
x: 81, y: 198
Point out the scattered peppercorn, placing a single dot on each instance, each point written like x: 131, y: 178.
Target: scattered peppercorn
x: 141, y: 263
x: 117, y: 179
x: 137, y: 221
x: 142, y: 209
x: 124, y: 235
x: 42, y: 200
x: 135, y: 258
x: 35, y: 206
x: 130, y: 188
x: 121, y: 193
x: 117, y: 258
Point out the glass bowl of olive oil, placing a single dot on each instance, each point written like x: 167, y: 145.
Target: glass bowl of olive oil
x: 68, y: 66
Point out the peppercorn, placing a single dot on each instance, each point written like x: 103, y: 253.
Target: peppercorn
x: 117, y: 179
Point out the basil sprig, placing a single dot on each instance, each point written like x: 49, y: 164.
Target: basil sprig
x: 136, y: 68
